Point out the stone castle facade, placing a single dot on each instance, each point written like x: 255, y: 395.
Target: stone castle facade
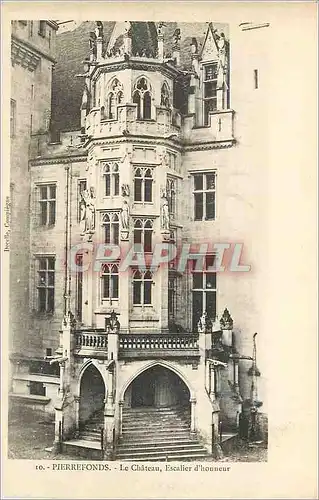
x: 169, y: 125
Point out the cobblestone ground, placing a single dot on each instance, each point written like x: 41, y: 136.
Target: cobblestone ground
x: 30, y: 433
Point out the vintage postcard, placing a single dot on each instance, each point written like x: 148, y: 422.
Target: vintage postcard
x: 158, y: 250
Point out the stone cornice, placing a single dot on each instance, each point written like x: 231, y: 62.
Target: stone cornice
x: 24, y: 57
x: 204, y: 146
x: 106, y: 141
x: 182, y: 148
x: 19, y: 43
x: 147, y: 65
x: 57, y: 159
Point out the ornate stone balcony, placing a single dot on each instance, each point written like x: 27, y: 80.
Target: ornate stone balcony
x: 158, y: 345
x: 91, y: 343
x: 166, y: 123
x: 94, y: 344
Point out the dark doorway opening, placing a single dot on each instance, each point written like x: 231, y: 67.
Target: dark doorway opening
x: 157, y: 387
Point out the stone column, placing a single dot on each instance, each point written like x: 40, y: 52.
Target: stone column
x: 77, y: 415
x: 212, y: 375
x: 193, y: 414
x: 99, y: 44
x: 160, y: 41
x: 121, y: 404
x: 192, y: 96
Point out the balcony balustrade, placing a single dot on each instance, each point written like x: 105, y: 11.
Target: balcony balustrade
x: 130, y: 345
x: 91, y: 343
x: 158, y: 345
x: 165, y: 123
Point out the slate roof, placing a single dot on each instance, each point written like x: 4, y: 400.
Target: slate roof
x: 72, y: 47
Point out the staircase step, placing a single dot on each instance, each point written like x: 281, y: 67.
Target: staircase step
x: 165, y: 448
x: 169, y: 431
x: 168, y: 458
x: 154, y: 443
x: 162, y: 454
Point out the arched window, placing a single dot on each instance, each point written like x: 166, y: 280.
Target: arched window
x: 142, y: 288
x: 143, y: 232
x: 143, y: 184
x: 137, y: 101
x: 165, y: 100
x: 171, y: 195
x: 115, y: 96
x: 111, y: 225
x: 147, y: 106
x: 142, y: 96
x: 112, y: 179
x: 111, y: 106
x: 110, y: 282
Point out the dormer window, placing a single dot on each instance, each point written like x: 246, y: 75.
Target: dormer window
x: 210, y: 90
x: 142, y: 98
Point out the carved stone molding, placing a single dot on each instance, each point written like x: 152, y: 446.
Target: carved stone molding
x: 22, y: 55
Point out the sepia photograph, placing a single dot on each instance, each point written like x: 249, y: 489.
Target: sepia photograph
x: 136, y: 226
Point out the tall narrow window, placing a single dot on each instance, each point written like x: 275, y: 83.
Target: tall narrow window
x: 114, y: 98
x: 82, y: 186
x: 143, y: 234
x: 79, y: 287
x: 165, y: 100
x: 137, y: 101
x: 111, y: 224
x: 111, y: 107
x: 171, y: 196
x: 13, y: 106
x: 142, y: 288
x: 204, y: 196
x: 204, y: 291
x: 31, y: 29
x: 111, y: 179
x: 172, y: 292
x: 42, y: 25
x: 210, y: 90
x: 143, y: 184
x: 256, y: 78
x: 45, y: 284
x: 47, y: 204
x: 110, y: 282
x: 142, y: 96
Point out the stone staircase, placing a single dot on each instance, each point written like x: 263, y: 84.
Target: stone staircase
x: 88, y: 444
x: 148, y: 434
x: 158, y: 434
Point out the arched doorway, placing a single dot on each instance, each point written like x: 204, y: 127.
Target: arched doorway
x: 157, y: 387
x: 92, y: 394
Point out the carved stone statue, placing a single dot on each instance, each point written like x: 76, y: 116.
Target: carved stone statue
x: 204, y: 324
x: 112, y: 325
x: 164, y: 213
x: 88, y: 209
x: 125, y: 190
x: 177, y: 36
x: 99, y: 29
x: 69, y: 320
x: 160, y: 29
x: 92, y: 43
x: 127, y: 28
x: 125, y: 215
x: 226, y: 321
x: 221, y: 67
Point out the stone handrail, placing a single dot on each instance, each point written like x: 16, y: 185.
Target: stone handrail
x: 160, y: 342
x: 91, y: 340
